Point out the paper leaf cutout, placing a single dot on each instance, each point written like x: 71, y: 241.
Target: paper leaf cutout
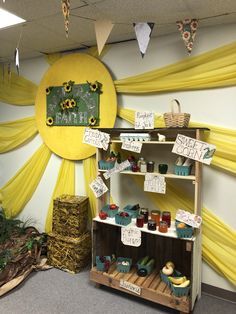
x: 143, y: 33
x: 65, y: 5
x: 17, y: 61
x: 188, y: 28
x: 103, y: 29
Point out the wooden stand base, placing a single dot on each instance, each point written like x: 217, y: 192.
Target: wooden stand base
x: 151, y: 287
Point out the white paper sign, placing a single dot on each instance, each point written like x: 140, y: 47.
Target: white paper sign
x: 193, y: 149
x: 144, y: 120
x: 130, y: 286
x: 98, y: 187
x: 96, y: 138
x: 118, y: 168
x: 190, y: 219
x: 131, y: 236
x: 154, y: 183
x: 132, y: 146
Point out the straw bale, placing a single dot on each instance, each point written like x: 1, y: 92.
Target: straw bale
x: 70, y: 215
x: 68, y: 253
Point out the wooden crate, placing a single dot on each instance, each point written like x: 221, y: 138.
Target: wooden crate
x: 67, y: 253
x: 70, y: 215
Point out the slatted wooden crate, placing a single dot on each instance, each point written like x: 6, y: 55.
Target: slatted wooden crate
x: 70, y: 215
x: 67, y: 253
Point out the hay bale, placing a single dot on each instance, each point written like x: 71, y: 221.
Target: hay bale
x: 68, y: 253
x: 70, y: 215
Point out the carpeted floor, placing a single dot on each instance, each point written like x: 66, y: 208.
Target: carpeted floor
x: 57, y: 292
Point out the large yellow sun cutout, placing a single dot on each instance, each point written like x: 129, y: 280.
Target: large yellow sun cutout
x: 66, y: 141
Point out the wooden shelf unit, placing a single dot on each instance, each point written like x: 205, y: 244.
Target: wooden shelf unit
x: 185, y: 253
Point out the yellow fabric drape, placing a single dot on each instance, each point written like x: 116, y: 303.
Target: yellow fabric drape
x: 90, y: 173
x: 224, y: 139
x: 65, y: 185
x: 15, y: 194
x: 15, y: 133
x: 212, y: 69
x: 218, y: 239
x: 17, y: 90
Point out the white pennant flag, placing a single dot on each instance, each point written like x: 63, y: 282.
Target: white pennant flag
x: 143, y: 33
x: 17, y: 61
x: 103, y: 29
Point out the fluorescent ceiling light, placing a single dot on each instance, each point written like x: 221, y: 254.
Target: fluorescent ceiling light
x: 9, y: 19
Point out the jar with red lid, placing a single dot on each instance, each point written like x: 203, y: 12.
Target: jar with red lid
x: 166, y: 216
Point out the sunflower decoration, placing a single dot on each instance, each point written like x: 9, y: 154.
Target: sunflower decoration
x: 49, y: 121
x: 92, y: 120
x: 95, y: 87
x: 65, y: 5
x: 67, y: 104
x: 48, y: 90
x: 72, y: 103
x: 68, y: 86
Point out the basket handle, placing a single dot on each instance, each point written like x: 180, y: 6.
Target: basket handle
x: 175, y: 102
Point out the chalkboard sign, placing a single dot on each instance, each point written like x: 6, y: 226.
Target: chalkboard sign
x: 73, y: 104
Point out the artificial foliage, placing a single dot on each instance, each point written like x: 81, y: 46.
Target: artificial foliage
x: 21, y: 248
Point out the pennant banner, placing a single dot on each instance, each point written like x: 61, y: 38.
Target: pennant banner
x: 143, y: 33
x: 17, y: 61
x: 65, y: 5
x: 103, y: 29
x: 188, y: 28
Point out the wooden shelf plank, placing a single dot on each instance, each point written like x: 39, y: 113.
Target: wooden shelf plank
x: 161, y: 295
x: 167, y: 175
x: 170, y: 234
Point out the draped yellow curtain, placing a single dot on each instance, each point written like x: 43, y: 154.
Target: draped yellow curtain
x: 17, y: 90
x: 15, y: 133
x: 224, y: 139
x: 218, y: 239
x: 212, y: 69
x: 90, y: 173
x: 65, y: 185
x: 15, y: 194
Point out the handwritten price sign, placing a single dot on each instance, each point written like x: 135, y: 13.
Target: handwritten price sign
x: 131, y: 236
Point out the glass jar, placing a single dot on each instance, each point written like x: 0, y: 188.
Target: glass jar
x: 156, y: 216
x: 166, y: 216
x: 163, y: 227
x: 140, y: 221
x: 139, y: 162
x: 152, y: 225
x: 143, y: 166
x: 144, y: 212
x: 150, y: 166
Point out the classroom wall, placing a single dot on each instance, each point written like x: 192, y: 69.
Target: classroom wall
x: 216, y: 106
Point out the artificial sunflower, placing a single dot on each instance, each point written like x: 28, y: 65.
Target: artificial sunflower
x: 62, y: 104
x: 67, y: 88
x: 49, y: 121
x: 93, y: 86
x: 92, y: 120
x: 67, y: 104
x: 48, y: 90
x: 73, y: 103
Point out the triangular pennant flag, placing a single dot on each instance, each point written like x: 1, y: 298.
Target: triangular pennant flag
x: 17, y: 61
x: 103, y: 29
x: 65, y: 5
x: 188, y: 28
x: 143, y: 33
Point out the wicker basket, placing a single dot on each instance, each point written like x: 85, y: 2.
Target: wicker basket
x: 70, y: 215
x: 176, y: 119
x: 69, y: 254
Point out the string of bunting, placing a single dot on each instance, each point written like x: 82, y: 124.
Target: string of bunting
x: 187, y: 28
